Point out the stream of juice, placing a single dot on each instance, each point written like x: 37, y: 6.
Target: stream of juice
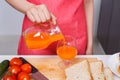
x: 42, y: 41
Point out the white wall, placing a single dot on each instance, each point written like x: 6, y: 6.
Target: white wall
x: 97, y: 5
x: 10, y: 20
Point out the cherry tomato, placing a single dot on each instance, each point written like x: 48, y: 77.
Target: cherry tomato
x: 26, y: 68
x: 23, y: 76
x: 9, y: 76
x: 14, y: 69
x: 15, y: 61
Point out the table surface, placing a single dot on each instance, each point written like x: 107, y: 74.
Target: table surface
x: 104, y: 58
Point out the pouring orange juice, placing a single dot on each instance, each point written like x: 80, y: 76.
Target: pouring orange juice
x: 40, y: 36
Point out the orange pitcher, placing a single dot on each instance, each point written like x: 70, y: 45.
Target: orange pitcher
x: 40, y: 36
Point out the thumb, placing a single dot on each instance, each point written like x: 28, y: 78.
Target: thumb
x: 53, y: 19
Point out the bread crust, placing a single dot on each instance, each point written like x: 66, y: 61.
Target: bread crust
x: 79, y: 71
x: 97, y: 70
x: 108, y: 74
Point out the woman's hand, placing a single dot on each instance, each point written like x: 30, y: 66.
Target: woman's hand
x: 36, y: 13
x: 40, y: 13
x: 89, y: 51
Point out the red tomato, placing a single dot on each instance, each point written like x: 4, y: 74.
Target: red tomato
x: 26, y: 68
x: 14, y: 69
x: 15, y: 61
x: 9, y: 76
x: 23, y: 76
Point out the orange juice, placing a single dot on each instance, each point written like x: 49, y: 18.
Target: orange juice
x: 67, y: 52
x: 56, y: 37
x: 42, y: 41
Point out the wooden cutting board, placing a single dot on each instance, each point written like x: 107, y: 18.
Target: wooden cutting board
x: 50, y: 68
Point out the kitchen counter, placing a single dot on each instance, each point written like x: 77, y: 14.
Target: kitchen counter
x: 104, y: 58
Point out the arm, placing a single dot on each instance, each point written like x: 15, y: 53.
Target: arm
x: 36, y: 13
x: 21, y: 5
x: 89, y: 18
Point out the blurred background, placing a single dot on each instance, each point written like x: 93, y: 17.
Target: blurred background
x: 11, y: 25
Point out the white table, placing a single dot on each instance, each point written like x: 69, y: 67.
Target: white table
x: 104, y: 58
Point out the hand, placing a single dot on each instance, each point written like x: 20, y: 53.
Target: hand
x: 89, y: 51
x: 40, y: 13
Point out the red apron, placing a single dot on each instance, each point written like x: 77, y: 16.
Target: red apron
x: 71, y: 20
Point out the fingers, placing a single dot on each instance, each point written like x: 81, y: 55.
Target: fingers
x: 40, y: 13
x: 45, y: 11
x: 53, y: 19
x: 30, y: 16
x: 33, y: 15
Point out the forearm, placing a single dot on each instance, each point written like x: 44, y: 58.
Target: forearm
x: 20, y: 5
x: 89, y: 9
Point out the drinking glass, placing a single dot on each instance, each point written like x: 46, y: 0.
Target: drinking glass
x: 67, y: 51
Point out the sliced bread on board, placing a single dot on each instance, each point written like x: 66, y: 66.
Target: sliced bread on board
x: 97, y: 70
x: 79, y: 71
x: 108, y: 74
x: 85, y: 70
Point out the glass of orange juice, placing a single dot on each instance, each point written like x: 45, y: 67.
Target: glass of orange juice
x: 67, y: 51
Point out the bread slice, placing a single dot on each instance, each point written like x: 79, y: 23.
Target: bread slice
x: 108, y: 74
x: 79, y: 71
x: 97, y: 70
x: 77, y: 60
